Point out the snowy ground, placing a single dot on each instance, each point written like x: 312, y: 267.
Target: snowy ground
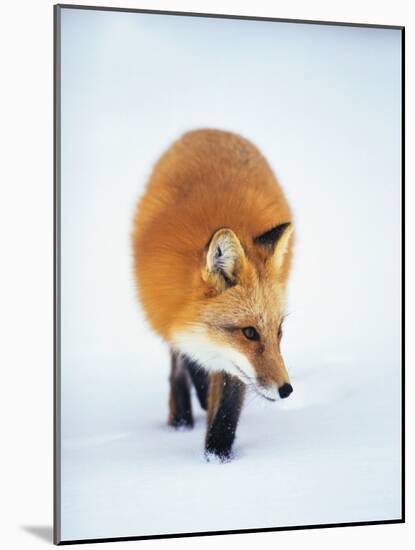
x: 329, y: 453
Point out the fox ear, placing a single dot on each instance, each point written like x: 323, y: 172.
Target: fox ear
x: 277, y: 240
x: 224, y: 259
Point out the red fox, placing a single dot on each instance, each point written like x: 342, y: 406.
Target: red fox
x: 212, y: 245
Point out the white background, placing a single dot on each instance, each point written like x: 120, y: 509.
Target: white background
x: 26, y: 234
x: 323, y: 103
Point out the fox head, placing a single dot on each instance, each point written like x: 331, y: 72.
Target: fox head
x: 236, y: 325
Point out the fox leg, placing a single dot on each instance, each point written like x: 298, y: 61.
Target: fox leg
x: 200, y: 379
x: 180, y: 405
x: 225, y: 399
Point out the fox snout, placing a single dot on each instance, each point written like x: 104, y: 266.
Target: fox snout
x: 272, y: 379
x: 272, y: 391
x: 285, y: 390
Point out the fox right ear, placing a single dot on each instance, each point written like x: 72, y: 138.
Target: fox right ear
x: 276, y: 240
x: 224, y: 259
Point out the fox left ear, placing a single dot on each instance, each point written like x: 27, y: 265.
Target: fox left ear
x: 224, y: 259
x: 277, y: 240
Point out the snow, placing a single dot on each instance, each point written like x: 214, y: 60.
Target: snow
x: 328, y: 454
x: 328, y: 120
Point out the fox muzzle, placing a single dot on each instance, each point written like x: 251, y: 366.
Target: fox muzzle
x: 285, y: 390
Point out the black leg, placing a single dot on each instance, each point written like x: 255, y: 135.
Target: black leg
x: 200, y: 379
x: 180, y: 405
x: 225, y: 401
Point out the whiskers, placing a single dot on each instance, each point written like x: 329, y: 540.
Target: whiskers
x: 251, y: 395
x: 254, y: 400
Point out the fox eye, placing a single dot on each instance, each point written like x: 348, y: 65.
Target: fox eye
x: 280, y: 331
x: 251, y: 333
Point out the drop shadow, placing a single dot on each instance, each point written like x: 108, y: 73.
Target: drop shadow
x: 44, y: 532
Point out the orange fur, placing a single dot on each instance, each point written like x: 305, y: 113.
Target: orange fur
x: 207, y: 180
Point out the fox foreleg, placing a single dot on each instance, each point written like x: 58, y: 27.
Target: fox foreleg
x: 225, y: 399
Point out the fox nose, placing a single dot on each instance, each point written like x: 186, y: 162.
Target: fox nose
x: 285, y: 390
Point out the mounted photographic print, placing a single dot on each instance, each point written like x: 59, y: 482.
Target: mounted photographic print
x: 228, y: 274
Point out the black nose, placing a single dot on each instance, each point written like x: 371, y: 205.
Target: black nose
x: 285, y: 390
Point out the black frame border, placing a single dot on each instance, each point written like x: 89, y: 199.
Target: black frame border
x: 57, y: 274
